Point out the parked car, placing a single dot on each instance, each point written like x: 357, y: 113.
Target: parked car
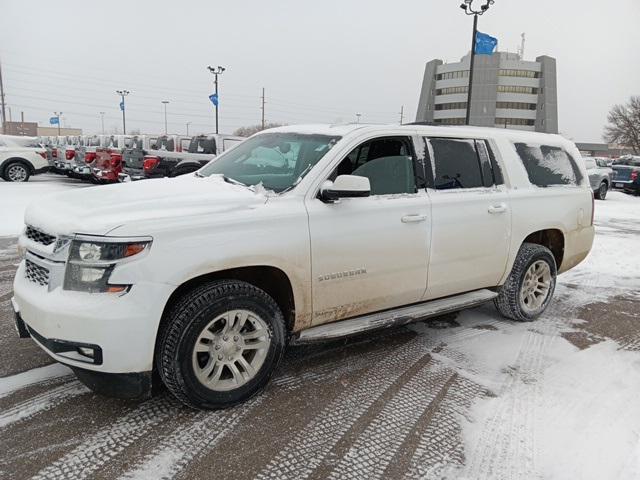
x: 133, y: 157
x: 57, y: 147
x: 627, y: 174
x: 65, y: 152
x: 108, y: 162
x: 599, y: 176
x: 85, y: 155
x: 211, y: 275
x: 200, y: 150
x: 21, y: 157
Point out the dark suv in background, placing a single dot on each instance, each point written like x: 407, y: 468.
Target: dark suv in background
x: 626, y: 174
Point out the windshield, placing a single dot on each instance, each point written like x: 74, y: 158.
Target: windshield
x: 277, y: 160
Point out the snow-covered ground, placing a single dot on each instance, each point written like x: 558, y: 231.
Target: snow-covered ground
x: 15, y: 197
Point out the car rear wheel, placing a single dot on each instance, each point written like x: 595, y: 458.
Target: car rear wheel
x: 16, y: 172
x: 530, y: 285
x: 601, y: 193
x: 220, y: 344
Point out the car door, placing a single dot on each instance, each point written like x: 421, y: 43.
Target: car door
x: 471, y: 219
x: 370, y: 254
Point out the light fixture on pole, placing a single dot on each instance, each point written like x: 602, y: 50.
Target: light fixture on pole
x: 468, y: 10
x: 358, y: 115
x: 214, y: 98
x: 165, y: 102
x: 123, y: 93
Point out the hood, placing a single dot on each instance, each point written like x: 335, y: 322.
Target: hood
x: 98, y: 210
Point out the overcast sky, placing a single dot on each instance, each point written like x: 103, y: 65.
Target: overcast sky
x: 321, y: 61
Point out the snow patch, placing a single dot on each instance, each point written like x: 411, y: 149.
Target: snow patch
x: 8, y: 385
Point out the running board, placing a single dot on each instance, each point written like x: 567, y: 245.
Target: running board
x: 396, y: 317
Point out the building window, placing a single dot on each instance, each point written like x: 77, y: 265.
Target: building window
x: 516, y: 105
x: 449, y: 121
x: 450, y: 75
x: 517, y: 89
x: 501, y: 122
x: 519, y: 73
x: 451, y: 106
x: 451, y: 90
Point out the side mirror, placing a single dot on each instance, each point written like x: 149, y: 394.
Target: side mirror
x: 345, y: 186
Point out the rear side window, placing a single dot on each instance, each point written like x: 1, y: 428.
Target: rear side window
x: 456, y: 164
x: 547, y: 165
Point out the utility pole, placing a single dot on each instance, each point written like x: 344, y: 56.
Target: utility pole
x: 188, y: 123
x: 22, y: 123
x: 123, y: 93
x: 165, y: 102
x: 102, y: 121
x: 401, y: 114
x: 4, y: 115
x: 216, y: 71
x: 262, y: 108
x: 468, y: 10
x: 58, y: 117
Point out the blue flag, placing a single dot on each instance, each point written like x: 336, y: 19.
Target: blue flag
x: 485, y: 44
x: 122, y: 105
x: 54, y: 121
x: 214, y: 99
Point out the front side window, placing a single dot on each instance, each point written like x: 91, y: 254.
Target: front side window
x: 276, y: 160
x: 548, y: 165
x: 386, y: 162
x: 457, y: 164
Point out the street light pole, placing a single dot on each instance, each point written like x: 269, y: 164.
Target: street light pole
x: 165, y: 115
x: 216, y: 71
x: 358, y: 115
x: 188, y: 123
x: 468, y: 10
x: 123, y: 93
x: 102, y: 121
x: 58, y: 115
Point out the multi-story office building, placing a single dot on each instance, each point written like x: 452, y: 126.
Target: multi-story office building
x: 507, y: 92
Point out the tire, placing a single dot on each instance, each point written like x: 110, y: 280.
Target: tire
x: 202, y: 315
x: 601, y: 193
x: 509, y: 301
x: 16, y: 172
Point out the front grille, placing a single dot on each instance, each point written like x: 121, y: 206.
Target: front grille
x: 36, y: 274
x: 39, y: 236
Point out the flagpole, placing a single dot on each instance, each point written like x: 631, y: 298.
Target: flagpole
x: 466, y: 6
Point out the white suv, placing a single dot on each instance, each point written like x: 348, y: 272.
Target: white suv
x: 21, y: 157
x: 298, y: 234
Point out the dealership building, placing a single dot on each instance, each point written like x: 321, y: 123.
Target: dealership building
x: 507, y: 92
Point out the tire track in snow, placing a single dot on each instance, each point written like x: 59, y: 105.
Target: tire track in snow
x: 41, y: 403
x: 108, y: 442
x: 202, y: 433
x: 307, y: 449
x: 372, y: 452
x: 506, y: 446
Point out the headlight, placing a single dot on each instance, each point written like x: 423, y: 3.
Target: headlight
x: 91, y: 262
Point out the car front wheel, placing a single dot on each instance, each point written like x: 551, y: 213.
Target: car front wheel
x: 16, y: 172
x: 601, y: 193
x: 220, y: 344
x: 530, y: 285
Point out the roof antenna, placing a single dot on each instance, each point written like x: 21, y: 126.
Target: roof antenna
x: 521, y: 49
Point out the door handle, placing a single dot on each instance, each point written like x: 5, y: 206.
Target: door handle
x: 498, y: 208
x: 413, y: 218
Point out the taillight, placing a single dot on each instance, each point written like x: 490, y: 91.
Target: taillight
x: 69, y: 154
x: 116, y: 158
x: 150, y: 162
x: 89, y: 157
x: 43, y: 154
x: 634, y: 176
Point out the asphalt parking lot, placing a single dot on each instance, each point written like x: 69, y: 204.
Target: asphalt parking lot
x: 469, y: 395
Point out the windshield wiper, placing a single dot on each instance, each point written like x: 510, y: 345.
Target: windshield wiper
x: 299, y: 179
x: 233, y: 181
x: 198, y: 174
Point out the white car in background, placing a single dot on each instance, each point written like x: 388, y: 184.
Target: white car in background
x: 21, y: 157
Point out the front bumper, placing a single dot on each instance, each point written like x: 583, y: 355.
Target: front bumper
x: 123, y: 327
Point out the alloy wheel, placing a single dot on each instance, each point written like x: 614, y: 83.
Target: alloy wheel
x: 535, y: 286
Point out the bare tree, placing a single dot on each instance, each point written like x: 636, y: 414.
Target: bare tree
x: 250, y: 130
x: 624, y: 124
